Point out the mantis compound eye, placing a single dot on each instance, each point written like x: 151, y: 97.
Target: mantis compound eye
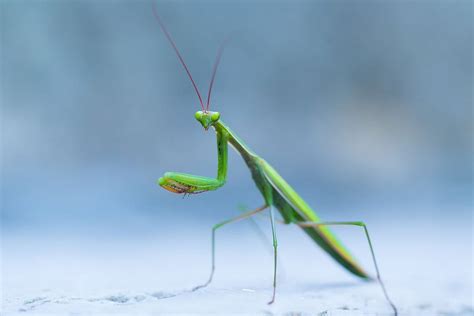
x: 215, y: 116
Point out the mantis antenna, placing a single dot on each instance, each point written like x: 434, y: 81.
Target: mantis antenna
x: 214, y: 70
x: 168, y: 36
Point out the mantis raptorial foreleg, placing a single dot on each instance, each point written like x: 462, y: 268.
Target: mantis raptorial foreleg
x: 178, y: 182
x: 374, y: 260
x: 213, y: 243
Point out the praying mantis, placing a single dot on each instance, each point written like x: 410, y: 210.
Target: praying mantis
x: 276, y: 192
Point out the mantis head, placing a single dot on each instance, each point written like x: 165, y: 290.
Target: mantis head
x: 207, y: 118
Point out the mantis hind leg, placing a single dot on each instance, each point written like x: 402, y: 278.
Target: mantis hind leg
x: 374, y: 260
x: 275, y: 259
x: 213, y: 246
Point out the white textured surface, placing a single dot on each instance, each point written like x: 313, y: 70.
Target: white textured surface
x: 425, y: 273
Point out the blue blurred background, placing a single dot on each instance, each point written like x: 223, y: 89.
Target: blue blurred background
x: 361, y: 106
x: 364, y: 107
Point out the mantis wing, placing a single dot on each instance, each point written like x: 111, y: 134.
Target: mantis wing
x: 285, y: 197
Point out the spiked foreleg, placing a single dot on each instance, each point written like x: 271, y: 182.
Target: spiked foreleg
x: 177, y: 182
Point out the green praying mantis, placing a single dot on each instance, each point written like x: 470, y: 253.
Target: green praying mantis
x: 276, y: 192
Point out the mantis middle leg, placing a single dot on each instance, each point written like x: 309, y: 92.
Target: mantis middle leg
x: 213, y: 246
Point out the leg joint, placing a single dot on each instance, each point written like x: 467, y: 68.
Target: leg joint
x: 215, y: 227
